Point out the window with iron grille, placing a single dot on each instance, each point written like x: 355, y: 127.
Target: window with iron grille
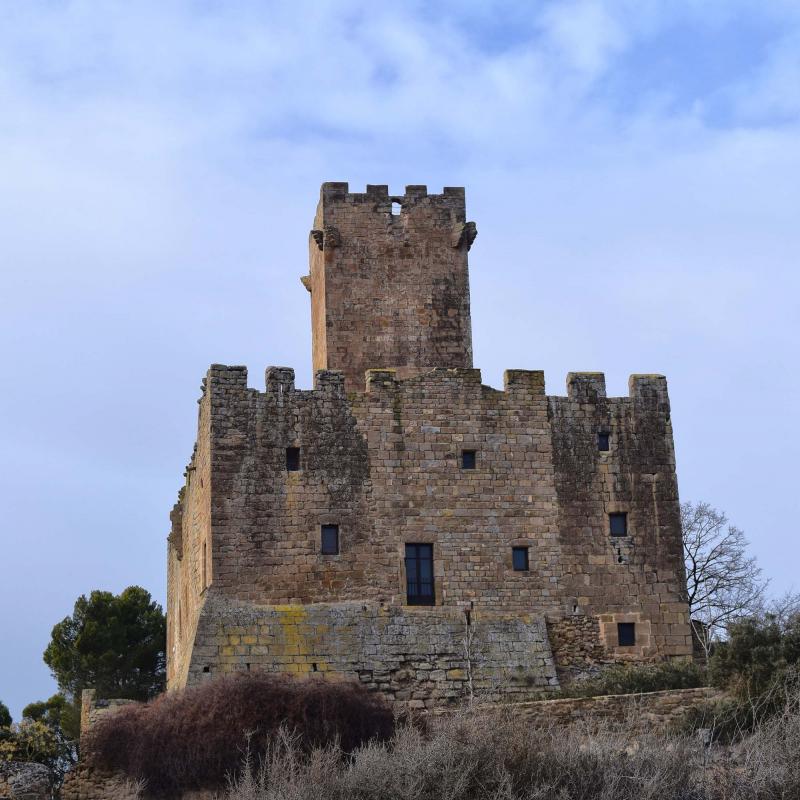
x: 419, y: 575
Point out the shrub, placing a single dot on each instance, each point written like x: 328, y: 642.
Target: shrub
x: 475, y: 756
x: 195, y: 738
x: 472, y: 756
x: 756, y: 655
x: 636, y: 678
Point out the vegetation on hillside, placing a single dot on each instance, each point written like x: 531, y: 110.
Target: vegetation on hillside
x: 474, y: 756
x: 195, y: 738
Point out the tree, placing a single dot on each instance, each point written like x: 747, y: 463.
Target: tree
x: 58, y: 713
x: 112, y: 643
x: 757, y: 654
x: 724, y: 584
x: 5, y: 715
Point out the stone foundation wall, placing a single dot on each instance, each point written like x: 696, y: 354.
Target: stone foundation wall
x: 647, y: 711
x: 417, y: 657
x: 86, y: 783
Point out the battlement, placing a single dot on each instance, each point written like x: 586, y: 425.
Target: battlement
x: 582, y: 387
x: 379, y: 200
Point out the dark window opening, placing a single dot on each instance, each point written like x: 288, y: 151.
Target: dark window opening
x: 419, y: 575
x: 603, y: 441
x: 626, y: 634
x: 468, y: 459
x: 313, y: 666
x: 293, y: 459
x: 618, y: 523
x: 206, y: 669
x: 330, y: 540
x: 519, y: 557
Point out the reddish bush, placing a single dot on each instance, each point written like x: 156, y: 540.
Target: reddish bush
x: 196, y: 738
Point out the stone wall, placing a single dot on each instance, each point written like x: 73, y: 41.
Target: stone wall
x: 86, y: 783
x: 419, y: 657
x: 389, y: 290
x: 24, y: 781
x: 94, y: 709
x: 638, y: 712
x: 384, y: 466
x: 638, y: 577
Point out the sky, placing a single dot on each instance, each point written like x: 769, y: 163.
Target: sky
x: 633, y: 167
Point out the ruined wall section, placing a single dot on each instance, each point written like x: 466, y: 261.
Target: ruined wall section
x: 189, y: 550
x: 638, y: 577
x: 389, y: 290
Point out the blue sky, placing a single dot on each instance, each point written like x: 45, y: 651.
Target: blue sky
x: 633, y: 167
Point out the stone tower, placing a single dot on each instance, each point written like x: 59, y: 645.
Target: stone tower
x: 369, y: 526
x: 388, y: 281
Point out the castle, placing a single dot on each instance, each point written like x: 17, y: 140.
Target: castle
x: 402, y: 523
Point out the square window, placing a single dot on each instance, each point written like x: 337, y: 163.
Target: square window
x: 519, y: 557
x: 330, y: 540
x: 419, y: 575
x: 626, y: 634
x: 468, y: 459
x: 603, y: 441
x: 292, y: 459
x: 618, y: 524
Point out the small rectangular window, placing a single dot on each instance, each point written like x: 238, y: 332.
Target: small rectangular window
x: 468, y: 459
x: 519, y: 557
x: 603, y: 441
x: 419, y: 575
x: 626, y: 634
x: 292, y: 459
x: 330, y: 540
x: 618, y: 524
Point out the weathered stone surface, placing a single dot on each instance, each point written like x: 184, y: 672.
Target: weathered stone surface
x: 20, y: 780
x: 380, y: 457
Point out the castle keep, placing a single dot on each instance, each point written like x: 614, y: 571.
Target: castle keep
x: 405, y: 525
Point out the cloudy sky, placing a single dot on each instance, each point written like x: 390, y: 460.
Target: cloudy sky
x: 633, y: 167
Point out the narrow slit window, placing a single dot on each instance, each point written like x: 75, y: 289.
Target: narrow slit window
x: 626, y: 634
x: 519, y: 558
x: 603, y: 441
x: 419, y: 575
x: 618, y: 524
x: 205, y: 567
x: 292, y: 459
x: 330, y: 540
x: 469, y: 459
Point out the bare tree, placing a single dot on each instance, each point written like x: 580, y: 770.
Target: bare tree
x: 723, y: 583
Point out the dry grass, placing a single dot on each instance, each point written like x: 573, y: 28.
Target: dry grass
x: 473, y: 756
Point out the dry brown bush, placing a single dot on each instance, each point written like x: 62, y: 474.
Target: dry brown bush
x: 478, y: 756
x: 197, y: 737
